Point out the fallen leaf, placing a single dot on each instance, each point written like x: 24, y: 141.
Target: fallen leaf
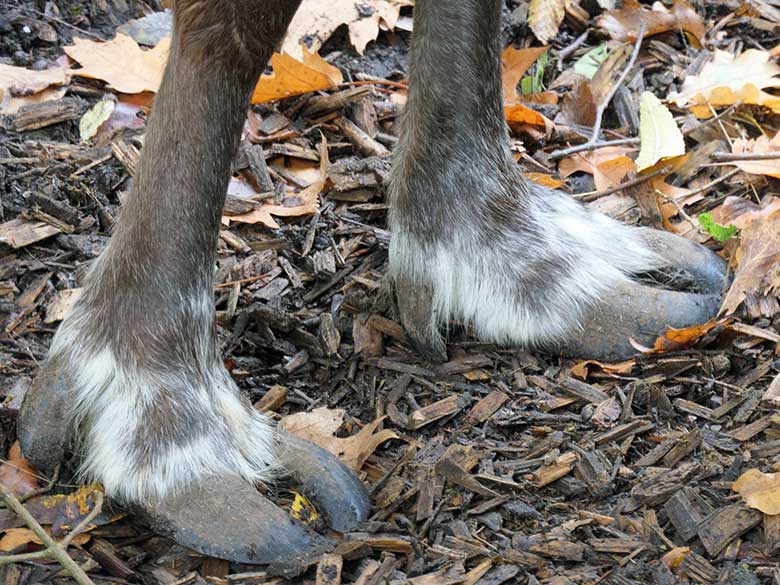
x: 544, y: 179
x: 740, y: 212
x: 17, y: 475
x: 10, y: 104
x: 20, y: 82
x: 94, y: 117
x: 150, y: 29
x: 292, y: 77
x: 728, y: 79
x: 519, y: 114
x: 760, y: 145
x: 306, y: 202
x: 545, y: 18
x: 514, y: 65
x: 757, y: 261
x: 120, y: 62
x: 608, y: 165
x: 320, y: 426
x: 583, y: 369
x: 589, y: 63
x: 15, y: 538
x: 315, y: 21
x: 624, y: 24
x: 675, y: 557
x: 760, y: 491
x: 658, y: 132
x: 676, y: 339
x: 62, y: 304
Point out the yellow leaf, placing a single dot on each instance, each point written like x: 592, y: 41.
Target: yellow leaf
x: 292, y: 77
x: 544, y: 179
x: 120, y: 62
x: 17, y: 537
x: 675, y: 557
x: 545, y: 17
x: 658, y: 132
x: 759, y: 490
x: 730, y: 79
x: 302, y: 509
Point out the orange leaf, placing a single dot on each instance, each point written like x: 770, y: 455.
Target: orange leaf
x: 545, y: 180
x: 515, y: 63
x: 291, y: 77
x: 120, y: 62
x: 608, y: 165
x: 18, y: 475
x: 761, y: 145
x: 583, y: 369
x: 675, y: 339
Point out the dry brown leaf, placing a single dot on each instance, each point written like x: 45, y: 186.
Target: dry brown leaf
x: 316, y: 20
x: 740, y: 212
x: 761, y: 145
x: 120, y: 62
x: 320, y: 426
x: 730, y: 79
x: 20, y: 87
x: 757, y: 262
x: 514, y: 64
x: 291, y: 77
x: 608, y: 165
x: 305, y: 202
x: 583, y: 369
x: 760, y: 491
x: 624, y: 24
x: 545, y: 17
x: 17, y: 475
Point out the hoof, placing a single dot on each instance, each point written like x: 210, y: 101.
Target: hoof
x: 226, y: 517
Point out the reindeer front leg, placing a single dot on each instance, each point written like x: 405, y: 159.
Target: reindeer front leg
x: 134, y: 381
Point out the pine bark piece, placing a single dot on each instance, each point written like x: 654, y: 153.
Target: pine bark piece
x: 273, y: 399
x: 486, y: 407
x: 329, y: 335
x: 329, y: 570
x: 749, y: 431
x: 595, y: 471
x: 559, y: 468
x: 684, y: 447
x: 616, y: 546
x: 772, y: 394
x: 433, y: 412
x: 727, y: 524
x: 658, y: 488
x: 19, y: 232
x: 256, y: 158
x: 362, y: 141
x: 45, y: 114
x: 685, y: 514
x: 698, y: 568
x: 587, y: 392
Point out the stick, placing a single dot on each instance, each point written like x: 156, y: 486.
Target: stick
x: 602, y: 107
x: 53, y: 549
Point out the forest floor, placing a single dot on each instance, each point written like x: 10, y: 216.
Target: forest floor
x: 501, y: 465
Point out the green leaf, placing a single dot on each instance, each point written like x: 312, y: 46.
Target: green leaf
x: 717, y: 231
x: 534, y: 83
x: 589, y: 63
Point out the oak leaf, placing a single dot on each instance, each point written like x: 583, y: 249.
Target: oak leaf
x: 16, y: 474
x: 608, y: 165
x: 316, y: 20
x: 320, y: 427
x: 729, y: 79
x: 20, y: 86
x: 760, y: 145
x: 120, y: 62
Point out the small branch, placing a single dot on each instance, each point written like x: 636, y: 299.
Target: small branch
x: 744, y: 156
x: 593, y: 195
x: 587, y: 146
x: 53, y: 549
x: 602, y: 107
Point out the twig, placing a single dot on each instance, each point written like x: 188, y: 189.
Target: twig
x: 594, y: 145
x: 53, y: 549
x: 602, y: 107
x: 715, y: 182
x: 744, y: 156
x: 593, y: 195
